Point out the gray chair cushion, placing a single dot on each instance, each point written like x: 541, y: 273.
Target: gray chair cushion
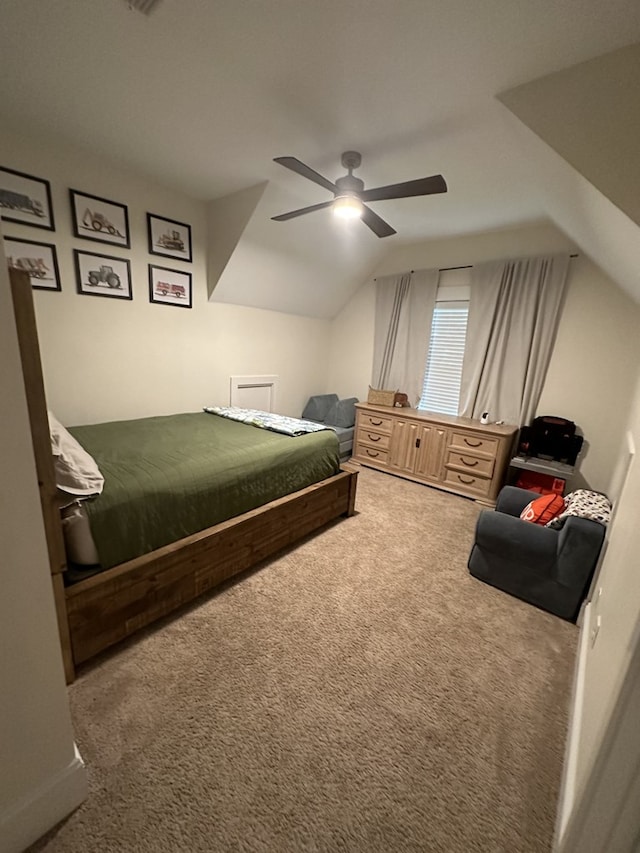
x: 318, y: 406
x: 343, y: 433
x: 345, y: 438
x: 342, y: 413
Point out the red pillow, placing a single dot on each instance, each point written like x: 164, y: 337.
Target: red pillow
x: 543, y: 509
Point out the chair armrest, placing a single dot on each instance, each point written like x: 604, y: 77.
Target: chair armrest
x: 513, y: 500
x: 521, y: 542
x: 579, y: 544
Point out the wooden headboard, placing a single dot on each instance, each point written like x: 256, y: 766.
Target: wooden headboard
x: 36, y: 403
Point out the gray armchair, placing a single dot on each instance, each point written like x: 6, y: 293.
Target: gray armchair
x: 549, y: 568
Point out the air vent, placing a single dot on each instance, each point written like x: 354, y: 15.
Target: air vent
x: 144, y: 6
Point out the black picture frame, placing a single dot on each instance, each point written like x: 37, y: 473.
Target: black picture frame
x: 100, y: 219
x: 169, y: 238
x: 170, y: 287
x: 25, y: 199
x: 42, y: 265
x: 102, y: 275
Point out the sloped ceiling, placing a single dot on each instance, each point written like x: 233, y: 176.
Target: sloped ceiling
x: 579, y: 133
x: 200, y: 96
x: 590, y: 115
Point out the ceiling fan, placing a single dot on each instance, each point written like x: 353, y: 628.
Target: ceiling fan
x: 350, y: 195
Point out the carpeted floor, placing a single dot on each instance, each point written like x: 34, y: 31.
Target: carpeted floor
x: 360, y: 693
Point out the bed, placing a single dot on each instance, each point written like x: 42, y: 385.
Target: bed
x: 300, y: 491
x: 168, y: 477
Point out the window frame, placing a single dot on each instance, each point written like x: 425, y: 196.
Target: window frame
x: 453, y: 295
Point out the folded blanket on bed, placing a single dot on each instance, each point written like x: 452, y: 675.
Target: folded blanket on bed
x: 266, y: 420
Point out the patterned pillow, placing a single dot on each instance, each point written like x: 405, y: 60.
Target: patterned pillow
x: 584, y: 504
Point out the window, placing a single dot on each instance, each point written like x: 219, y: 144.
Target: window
x: 443, y: 371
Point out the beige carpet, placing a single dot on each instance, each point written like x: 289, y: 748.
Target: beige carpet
x: 361, y: 693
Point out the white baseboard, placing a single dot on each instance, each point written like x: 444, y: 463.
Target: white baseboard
x: 38, y: 812
x: 566, y: 800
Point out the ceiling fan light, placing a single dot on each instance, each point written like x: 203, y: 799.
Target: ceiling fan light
x: 348, y: 207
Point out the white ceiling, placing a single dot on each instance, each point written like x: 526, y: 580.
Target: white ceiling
x: 202, y: 94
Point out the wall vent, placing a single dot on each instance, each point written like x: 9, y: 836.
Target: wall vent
x: 144, y: 6
x: 254, y: 392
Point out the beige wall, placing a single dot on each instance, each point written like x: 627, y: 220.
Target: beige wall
x: 593, y: 369
x: 106, y: 358
x: 351, y: 348
x: 616, y: 606
x: 40, y: 779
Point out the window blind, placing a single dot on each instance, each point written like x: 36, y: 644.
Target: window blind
x: 443, y: 370
x: 441, y: 388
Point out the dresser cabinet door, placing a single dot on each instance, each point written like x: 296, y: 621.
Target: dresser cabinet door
x: 418, y: 448
x: 431, y: 452
x: 402, y: 454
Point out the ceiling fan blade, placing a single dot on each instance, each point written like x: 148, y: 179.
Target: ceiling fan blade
x: 284, y: 216
x: 301, y: 169
x: 379, y: 227
x: 422, y: 186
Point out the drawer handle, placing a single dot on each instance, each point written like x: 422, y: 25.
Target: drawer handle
x: 374, y: 437
x: 375, y: 423
x: 466, y: 482
x: 471, y: 444
x: 373, y: 453
x: 469, y: 464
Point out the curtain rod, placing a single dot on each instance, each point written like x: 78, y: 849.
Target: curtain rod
x: 469, y: 266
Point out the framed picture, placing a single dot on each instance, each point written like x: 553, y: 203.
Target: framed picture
x: 169, y: 238
x: 169, y: 287
x: 38, y: 259
x: 25, y: 199
x: 101, y: 275
x: 99, y: 219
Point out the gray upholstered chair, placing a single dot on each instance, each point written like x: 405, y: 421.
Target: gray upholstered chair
x: 549, y: 568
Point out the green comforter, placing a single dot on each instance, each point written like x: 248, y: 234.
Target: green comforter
x: 168, y: 477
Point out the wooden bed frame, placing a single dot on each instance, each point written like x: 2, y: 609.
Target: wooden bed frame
x: 104, y: 609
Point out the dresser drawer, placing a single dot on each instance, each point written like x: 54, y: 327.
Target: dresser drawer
x: 368, y: 420
x: 374, y: 439
x: 474, y: 444
x: 467, y: 463
x: 365, y: 451
x: 467, y: 482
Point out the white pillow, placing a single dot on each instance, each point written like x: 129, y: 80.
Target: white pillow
x: 76, y: 472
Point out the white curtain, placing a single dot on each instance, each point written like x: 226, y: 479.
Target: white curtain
x: 404, y: 310
x: 513, y: 320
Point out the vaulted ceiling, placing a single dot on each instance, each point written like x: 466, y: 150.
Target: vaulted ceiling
x: 201, y: 96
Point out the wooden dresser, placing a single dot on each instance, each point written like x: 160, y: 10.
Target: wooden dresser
x: 455, y: 454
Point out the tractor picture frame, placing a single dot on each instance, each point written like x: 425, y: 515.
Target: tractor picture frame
x: 102, y: 275
x: 99, y: 219
x: 169, y: 238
